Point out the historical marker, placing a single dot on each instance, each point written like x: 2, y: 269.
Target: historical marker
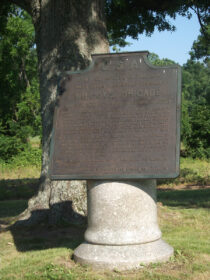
x: 118, y: 119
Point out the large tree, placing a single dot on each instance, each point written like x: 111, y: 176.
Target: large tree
x: 67, y: 33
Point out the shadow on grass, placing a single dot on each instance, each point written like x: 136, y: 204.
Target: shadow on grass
x: 46, y: 237
x: 185, y: 198
x: 43, y: 235
x: 18, y: 188
x: 187, y: 175
x: 11, y: 208
x: 68, y: 232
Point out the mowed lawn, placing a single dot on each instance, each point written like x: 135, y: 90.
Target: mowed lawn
x: 45, y: 252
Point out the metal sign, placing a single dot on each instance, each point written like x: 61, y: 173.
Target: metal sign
x: 118, y: 119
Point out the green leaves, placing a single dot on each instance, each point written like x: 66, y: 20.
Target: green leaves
x: 196, y: 109
x: 201, y: 47
x: 19, y: 96
x: 195, y: 124
x: 133, y: 17
x: 154, y: 59
x: 198, y: 140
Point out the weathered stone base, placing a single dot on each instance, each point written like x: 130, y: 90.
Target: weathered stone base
x: 126, y: 257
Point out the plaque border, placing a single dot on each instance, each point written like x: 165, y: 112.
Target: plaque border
x: 117, y: 176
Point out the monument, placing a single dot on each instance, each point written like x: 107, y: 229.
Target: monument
x: 117, y: 125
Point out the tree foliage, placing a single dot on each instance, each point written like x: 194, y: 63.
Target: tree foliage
x: 195, y: 125
x: 19, y: 98
x: 196, y: 109
x: 196, y: 90
x: 201, y: 47
x: 154, y: 59
x: 133, y: 17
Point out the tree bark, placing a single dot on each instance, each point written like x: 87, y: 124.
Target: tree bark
x: 67, y: 33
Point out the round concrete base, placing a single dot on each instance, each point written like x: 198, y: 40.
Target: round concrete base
x: 124, y: 257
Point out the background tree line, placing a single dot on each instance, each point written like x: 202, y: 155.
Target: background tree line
x: 19, y: 89
x: 19, y: 85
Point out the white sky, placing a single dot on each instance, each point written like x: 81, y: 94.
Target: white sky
x: 173, y: 45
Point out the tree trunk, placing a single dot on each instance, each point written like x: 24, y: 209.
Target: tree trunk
x: 67, y: 33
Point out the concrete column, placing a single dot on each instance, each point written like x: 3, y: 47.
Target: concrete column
x: 122, y: 231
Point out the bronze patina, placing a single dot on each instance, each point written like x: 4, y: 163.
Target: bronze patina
x: 118, y: 119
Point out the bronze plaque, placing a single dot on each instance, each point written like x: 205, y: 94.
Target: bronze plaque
x: 118, y: 119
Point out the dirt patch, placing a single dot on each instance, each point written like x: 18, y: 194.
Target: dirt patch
x: 67, y: 262
x: 205, y: 258
x: 202, y: 276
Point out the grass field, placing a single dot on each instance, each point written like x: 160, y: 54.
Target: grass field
x: 192, y: 171
x: 45, y: 252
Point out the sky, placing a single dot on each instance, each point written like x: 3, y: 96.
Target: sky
x: 173, y: 45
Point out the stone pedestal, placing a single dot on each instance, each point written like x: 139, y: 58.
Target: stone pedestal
x: 122, y: 231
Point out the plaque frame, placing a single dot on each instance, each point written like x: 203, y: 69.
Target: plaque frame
x: 120, y: 176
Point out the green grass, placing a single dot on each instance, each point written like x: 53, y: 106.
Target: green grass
x: 192, y: 172
x: 35, y: 141
x: 45, y: 252
x: 27, y: 164
x: 12, y: 208
x: 18, y: 188
x: 185, y: 198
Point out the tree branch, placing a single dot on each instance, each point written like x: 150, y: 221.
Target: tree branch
x: 197, y: 12
x: 23, y: 73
